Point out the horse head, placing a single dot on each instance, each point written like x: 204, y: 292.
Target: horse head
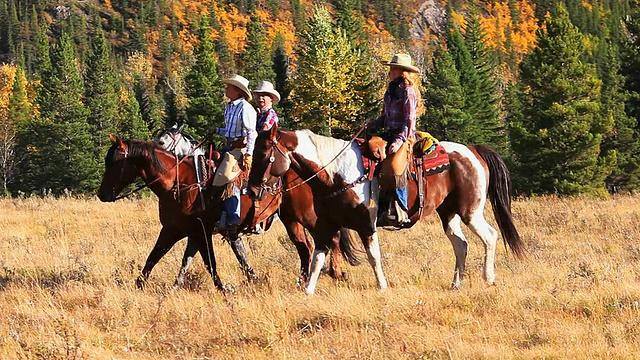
x: 271, y: 159
x: 118, y: 171
x: 174, y: 140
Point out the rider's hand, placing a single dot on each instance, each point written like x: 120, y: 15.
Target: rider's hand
x: 247, y: 161
x: 395, y: 146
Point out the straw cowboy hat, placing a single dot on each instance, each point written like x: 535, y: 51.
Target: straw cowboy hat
x: 402, y: 61
x: 241, y: 83
x: 266, y: 87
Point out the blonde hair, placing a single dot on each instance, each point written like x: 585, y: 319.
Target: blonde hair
x: 413, y: 79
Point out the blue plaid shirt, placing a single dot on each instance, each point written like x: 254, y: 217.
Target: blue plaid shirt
x: 239, y: 121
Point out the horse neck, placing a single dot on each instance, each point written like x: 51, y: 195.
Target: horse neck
x: 159, y: 181
x: 327, y: 157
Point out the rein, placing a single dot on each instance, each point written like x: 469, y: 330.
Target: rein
x: 176, y: 181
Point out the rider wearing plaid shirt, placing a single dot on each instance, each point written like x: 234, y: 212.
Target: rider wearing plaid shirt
x: 398, y: 119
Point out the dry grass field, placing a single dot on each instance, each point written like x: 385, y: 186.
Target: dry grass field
x: 68, y: 270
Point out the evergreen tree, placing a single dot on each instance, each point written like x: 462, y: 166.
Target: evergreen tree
x: 281, y: 71
x: 623, y: 140
x: 101, y: 97
x: 255, y: 61
x: 345, y: 17
x: 130, y: 124
x: 42, y: 55
x: 481, y: 88
x: 57, y: 147
x: 203, y: 85
x: 470, y: 82
x: 445, y: 117
x: 323, y: 95
x: 557, y: 138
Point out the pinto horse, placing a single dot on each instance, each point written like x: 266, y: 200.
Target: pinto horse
x: 294, y: 217
x: 341, y: 194
x: 339, y: 190
x: 174, y: 182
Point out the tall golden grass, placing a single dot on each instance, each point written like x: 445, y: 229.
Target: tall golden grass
x: 68, y: 269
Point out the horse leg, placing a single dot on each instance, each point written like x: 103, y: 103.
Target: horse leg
x: 489, y: 237
x: 452, y: 228
x: 334, y: 268
x: 187, y: 261
x: 237, y: 245
x: 166, y: 240
x: 205, y: 246
x: 372, y: 246
x: 322, y: 235
x: 298, y: 237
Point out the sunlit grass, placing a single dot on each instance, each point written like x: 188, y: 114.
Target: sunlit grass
x: 68, y: 270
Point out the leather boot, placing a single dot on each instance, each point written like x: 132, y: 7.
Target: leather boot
x: 237, y: 245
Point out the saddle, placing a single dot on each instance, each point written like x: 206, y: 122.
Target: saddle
x: 414, y: 161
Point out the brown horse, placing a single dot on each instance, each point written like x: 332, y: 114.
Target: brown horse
x: 343, y: 197
x: 181, y: 215
x: 294, y: 218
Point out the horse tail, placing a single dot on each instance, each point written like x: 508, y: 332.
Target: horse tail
x: 500, y: 197
x: 346, y: 247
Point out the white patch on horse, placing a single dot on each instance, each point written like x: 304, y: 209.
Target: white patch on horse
x: 477, y: 166
x: 322, y: 150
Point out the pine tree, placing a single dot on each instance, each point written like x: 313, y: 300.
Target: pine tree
x: 57, y: 147
x: 130, y: 124
x: 101, y: 97
x: 203, y: 85
x: 470, y: 82
x: 482, y: 88
x: 557, y: 139
x: 281, y: 71
x: 255, y: 61
x: 445, y: 117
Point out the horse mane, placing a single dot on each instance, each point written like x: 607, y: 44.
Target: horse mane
x: 327, y: 149
x: 139, y: 149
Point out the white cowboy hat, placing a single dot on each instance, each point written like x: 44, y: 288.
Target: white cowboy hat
x: 239, y: 82
x: 265, y: 87
x: 402, y: 61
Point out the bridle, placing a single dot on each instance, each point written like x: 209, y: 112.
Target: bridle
x: 276, y: 188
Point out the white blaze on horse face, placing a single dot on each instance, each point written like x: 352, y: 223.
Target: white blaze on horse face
x: 322, y: 150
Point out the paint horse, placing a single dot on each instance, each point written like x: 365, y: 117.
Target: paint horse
x: 339, y: 189
x: 174, y: 181
x: 294, y: 216
x: 334, y: 169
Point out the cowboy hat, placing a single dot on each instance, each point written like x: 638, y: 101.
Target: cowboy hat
x: 239, y: 82
x: 402, y: 61
x: 265, y: 87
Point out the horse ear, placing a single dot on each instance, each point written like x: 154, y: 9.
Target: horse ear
x: 274, y: 132
x: 180, y: 128
x: 112, y: 138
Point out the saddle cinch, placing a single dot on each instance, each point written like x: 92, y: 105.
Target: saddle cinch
x: 414, y: 161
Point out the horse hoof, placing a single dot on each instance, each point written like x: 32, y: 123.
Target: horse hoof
x: 140, y: 283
